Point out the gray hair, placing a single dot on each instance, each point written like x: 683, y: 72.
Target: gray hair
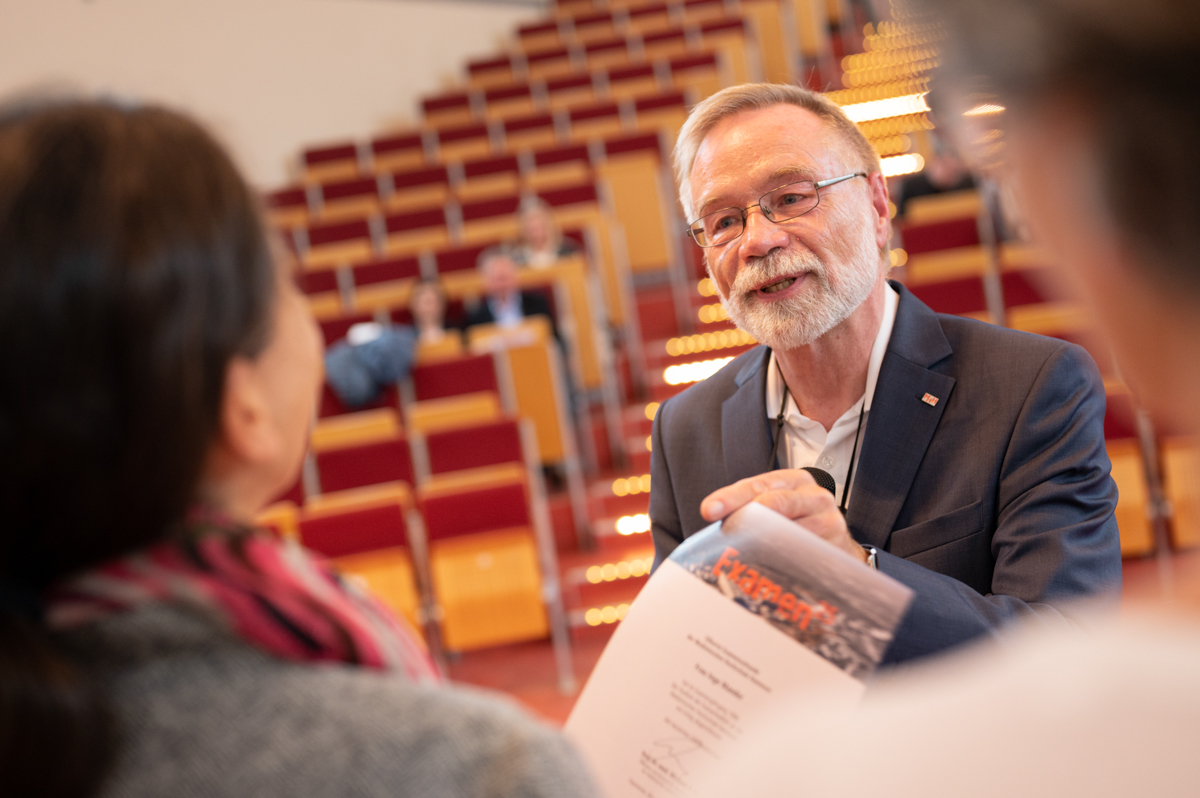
x: 494, y: 253
x: 751, y: 97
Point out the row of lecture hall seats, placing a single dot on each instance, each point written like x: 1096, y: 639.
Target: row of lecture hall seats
x: 515, y: 372
x: 406, y: 156
x: 470, y: 560
x: 951, y: 269
x: 624, y: 199
x: 733, y: 36
x: 519, y: 109
x: 789, y: 32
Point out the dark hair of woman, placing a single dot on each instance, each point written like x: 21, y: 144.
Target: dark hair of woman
x: 133, y: 267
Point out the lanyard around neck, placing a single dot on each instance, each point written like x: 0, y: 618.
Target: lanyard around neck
x: 779, y: 422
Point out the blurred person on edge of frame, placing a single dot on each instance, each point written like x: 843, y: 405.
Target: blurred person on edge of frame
x: 1101, y: 124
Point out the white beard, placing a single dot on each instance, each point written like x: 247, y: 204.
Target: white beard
x: 820, y: 306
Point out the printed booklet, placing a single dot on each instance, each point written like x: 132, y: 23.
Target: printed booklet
x: 743, y: 613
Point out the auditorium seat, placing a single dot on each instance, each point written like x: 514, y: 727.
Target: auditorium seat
x: 599, y: 120
x: 451, y: 378
x: 559, y: 166
x: 328, y: 245
x: 608, y: 52
x: 288, y: 208
x: 348, y: 199
x: 1181, y: 484
x: 568, y: 91
x: 636, y: 80
x: 530, y: 361
x: 447, y: 109
x: 504, y: 102
x: 356, y: 465
x: 399, y: 152
x: 417, y: 230
x: 416, y: 188
x: 484, y: 559
x: 355, y: 428
x: 494, y: 71
x: 1133, y: 521
x: 473, y: 140
x: 331, y: 162
x: 530, y: 132
x: 642, y: 194
x: 474, y: 446
x: 449, y: 412
x: 663, y: 112
x: 365, y: 532
x: 549, y: 63
x: 490, y: 219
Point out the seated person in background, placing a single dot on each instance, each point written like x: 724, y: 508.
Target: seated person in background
x: 427, y: 304
x: 541, y: 244
x: 157, y: 382
x: 943, y: 172
x: 503, y: 302
x: 968, y: 459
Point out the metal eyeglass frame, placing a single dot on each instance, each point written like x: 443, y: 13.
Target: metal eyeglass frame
x: 817, y: 186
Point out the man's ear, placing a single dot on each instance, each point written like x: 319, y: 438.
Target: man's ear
x: 247, y: 432
x: 879, y: 203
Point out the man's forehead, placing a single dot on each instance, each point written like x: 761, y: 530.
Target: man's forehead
x: 757, y: 149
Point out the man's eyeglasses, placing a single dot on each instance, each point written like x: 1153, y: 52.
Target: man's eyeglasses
x: 779, y: 205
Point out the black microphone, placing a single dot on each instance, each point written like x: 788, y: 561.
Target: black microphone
x: 823, y: 479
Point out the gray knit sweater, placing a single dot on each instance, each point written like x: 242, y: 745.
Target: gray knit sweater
x: 202, y: 713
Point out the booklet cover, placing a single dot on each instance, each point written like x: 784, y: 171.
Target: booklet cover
x: 744, y: 612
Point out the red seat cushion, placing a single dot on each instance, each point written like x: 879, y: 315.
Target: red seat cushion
x: 355, y: 531
x: 474, y: 447
x: 365, y: 464
x: 483, y: 510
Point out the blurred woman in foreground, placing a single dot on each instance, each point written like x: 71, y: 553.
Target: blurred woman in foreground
x: 158, y: 372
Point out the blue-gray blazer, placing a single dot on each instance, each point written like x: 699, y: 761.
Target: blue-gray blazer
x: 994, y: 504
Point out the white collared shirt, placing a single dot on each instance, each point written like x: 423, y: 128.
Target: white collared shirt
x: 507, y: 310
x: 806, y: 443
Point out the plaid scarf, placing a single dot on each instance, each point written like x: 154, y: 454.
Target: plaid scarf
x: 270, y: 592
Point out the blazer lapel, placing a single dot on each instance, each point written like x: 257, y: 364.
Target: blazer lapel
x: 745, y: 430
x: 901, y: 422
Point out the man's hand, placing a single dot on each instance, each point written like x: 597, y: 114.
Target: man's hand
x: 793, y: 493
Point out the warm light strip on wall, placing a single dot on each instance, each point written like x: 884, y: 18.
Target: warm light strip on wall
x: 614, y: 571
x: 693, y: 372
x: 633, y: 524
x: 706, y: 342
x: 884, y: 109
x: 599, y: 615
x: 631, y: 486
x: 710, y: 314
x: 985, y: 109
x: 901, y: 164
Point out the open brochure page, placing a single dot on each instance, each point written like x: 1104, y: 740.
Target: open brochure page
x: 744, y: 612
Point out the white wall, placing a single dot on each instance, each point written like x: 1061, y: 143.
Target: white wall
x: 269, y: 76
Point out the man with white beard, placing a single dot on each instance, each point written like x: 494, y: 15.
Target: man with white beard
x: 968, y: 460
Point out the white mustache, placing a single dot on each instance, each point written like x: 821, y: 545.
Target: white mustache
x: 773, y: 266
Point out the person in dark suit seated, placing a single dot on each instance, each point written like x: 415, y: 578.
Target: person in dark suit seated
x: 503, y: 302
x: 968, y: 459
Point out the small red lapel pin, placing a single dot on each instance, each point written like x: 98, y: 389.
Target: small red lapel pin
x: 929, y: 399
